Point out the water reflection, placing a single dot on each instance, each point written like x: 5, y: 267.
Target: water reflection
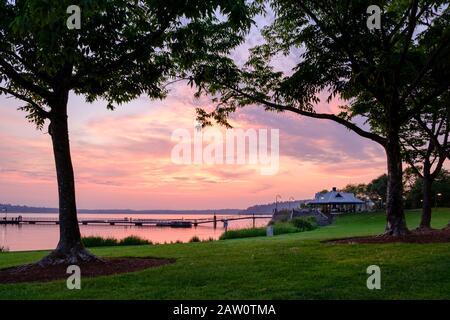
x: 37, y: 237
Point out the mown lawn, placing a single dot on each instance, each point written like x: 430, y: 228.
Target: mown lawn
x: 291, y: 266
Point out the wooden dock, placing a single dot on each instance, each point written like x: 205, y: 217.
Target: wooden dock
x: 173, y: 223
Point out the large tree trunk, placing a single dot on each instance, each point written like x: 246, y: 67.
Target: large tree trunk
x: 395, y: 216
x: 425, y: 221
x: 70, y: 249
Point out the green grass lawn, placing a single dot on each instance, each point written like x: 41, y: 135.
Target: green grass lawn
x: 291, y: 266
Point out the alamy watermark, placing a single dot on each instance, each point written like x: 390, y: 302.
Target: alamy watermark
x: 237, y: 146
x: 374, y: 20
x: 74, y: 280
x: 374, y: 280
x: 74, y: 20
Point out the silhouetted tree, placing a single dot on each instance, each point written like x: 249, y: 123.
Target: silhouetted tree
x: 380, y: 74
x: 377, y: 189
x: 421, y: 152
x: 439, y: 195
x: 359, y: 190
x: 123, y: 49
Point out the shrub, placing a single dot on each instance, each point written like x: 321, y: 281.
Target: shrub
x: 304, y: 224
x: 243, y: 233
x: 195, y: 239
x: 91, y: 242
x: 295, y: 225
x: 281, y: 216
x: 278, y: 228
x: 282, y: 228
x: 3, y: 249
x: 133, y: 241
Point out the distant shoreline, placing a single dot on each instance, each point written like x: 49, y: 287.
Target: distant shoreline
x: 259, y: 209
x: 118, y: 211
x: 138, y: 213
x: 35, y: 210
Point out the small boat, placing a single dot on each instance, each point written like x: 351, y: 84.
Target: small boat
x: 174, y: 224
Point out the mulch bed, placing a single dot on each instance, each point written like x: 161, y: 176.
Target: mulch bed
x: 35, y: 273
x: 416, y: 236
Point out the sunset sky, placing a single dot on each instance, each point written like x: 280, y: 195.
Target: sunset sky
x: 122, y: 158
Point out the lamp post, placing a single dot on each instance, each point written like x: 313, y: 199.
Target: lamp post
x: 292, y: 212
x: 438, y: 195
x: 276, y: 202
x: 290, y: 199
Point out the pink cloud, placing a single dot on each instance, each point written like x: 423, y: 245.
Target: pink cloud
x: 123, y: 159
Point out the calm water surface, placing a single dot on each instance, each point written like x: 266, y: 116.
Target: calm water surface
x: 37, y: 237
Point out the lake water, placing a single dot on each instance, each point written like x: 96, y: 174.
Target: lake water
x: 36, y: 237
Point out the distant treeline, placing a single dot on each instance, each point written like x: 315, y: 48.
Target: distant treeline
x: 256, y: 209
x: 26, y: 209
x: 270, y: 207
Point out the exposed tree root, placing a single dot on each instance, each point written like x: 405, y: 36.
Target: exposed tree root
x: 73, y: 256
x: 396, y: 232
x: 396, y: 228
x: 424, y: 229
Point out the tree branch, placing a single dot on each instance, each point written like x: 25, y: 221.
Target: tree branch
x: 24, y: 83
x: 411, y: 163
x: 426, y: 67
x: 411, y: 27
x: 441, y: 147
x: 45, y: 77
x: 43, y: 113
x: 349, y: 125
x: 418, y: 106
x: 354, y: 62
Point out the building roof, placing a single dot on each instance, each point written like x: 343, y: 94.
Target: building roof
x: 335, y: 197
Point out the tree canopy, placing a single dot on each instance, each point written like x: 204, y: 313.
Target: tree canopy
x: 384, y: 77
x: 121, y: 50
x: 337, y: 54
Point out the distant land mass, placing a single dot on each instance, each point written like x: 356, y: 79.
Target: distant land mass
x: 26, y: 209
x: 270, y: 207
x: 256, y: 209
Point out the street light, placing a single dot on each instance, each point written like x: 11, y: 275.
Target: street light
x: 276, y: 202
x: 437, y: 195
x: 289, y: 203
x: 380, y: 202
x: 290, y: 199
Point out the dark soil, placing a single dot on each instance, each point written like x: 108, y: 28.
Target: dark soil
x: 416, y: 236
x: 35, y: 273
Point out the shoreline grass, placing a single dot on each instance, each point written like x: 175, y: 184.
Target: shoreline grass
x: 279, y: 228
x: 97, y: 241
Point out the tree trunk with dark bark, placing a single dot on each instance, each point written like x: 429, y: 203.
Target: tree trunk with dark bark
x: 427, y: 181
x: 70, y: 249
x: 395, y: 216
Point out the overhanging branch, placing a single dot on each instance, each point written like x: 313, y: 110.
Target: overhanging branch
x: 36, y: 107
x: 349, y: 125
x: 22, y: 82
